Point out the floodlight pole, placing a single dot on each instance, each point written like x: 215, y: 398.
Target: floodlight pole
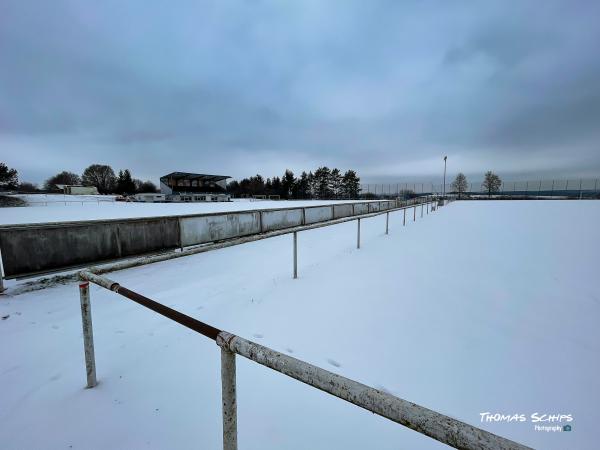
x: 444, y: 189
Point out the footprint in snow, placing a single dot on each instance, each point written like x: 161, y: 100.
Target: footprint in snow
x: 257, y: 335
x: 200, y: 307
x: 334, y: 363
x: 56, y: 327
x: 289, y: 350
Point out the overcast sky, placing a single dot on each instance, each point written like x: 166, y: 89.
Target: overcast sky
x: 245, y: 87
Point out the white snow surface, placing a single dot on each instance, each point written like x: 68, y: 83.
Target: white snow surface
x: 478, y: 307
x: 52, y: 208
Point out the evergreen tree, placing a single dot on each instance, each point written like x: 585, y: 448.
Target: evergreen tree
x: 323, y: 182
x: 125, y: 184
x: 336, y: 183
x: 9, y: 178
x: 288, y: 182
x: 351, y: 184
x: 302, y: 187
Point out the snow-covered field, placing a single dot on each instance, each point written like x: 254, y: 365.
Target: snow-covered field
x: 479, y: 307
x: 52, y: 208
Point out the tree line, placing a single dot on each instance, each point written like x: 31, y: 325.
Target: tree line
x: 491, y: 183
x: 101, y: 176
x: 324, y: 183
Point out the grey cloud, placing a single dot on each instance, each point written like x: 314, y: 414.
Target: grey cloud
x: 245, y: 87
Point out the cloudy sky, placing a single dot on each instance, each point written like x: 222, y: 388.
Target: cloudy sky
x: 240, y: 87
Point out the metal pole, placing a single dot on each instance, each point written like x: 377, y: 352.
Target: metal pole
x: 421, y: 210
x: 415, y: 213
x: 404, y: 218
x: 358, y: 235
x: 2, y: 289
x: 295, y: 254
x: 387, y: 222
x: 580, y: 193
x: 88, y: 335
x: 425, y: 421
x: 229, y: 399
x: 444, y: 194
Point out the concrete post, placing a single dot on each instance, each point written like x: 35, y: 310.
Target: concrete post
x: 295, y: 254
x: 358, y: 235
x: 387, y: 222
x: 88, y: 335
x: 229, y: 399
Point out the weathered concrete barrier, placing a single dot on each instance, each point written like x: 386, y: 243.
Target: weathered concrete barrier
x: 203, y: 229
x: 318, y: 214
x: 44, y: 248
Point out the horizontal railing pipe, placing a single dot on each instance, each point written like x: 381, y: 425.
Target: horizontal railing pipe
x: 423, y: 420
x: 430, y: 423
x: 187, y: 321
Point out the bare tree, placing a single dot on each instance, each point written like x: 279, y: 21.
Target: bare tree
x: 103, y: 177
x: 491, y: 182
x: 61, y: 178
x: 459, y: 185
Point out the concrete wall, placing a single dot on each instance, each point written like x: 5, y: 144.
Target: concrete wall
x: 282, y: 218
x: 343, y: 210
x: 202, y: 229
x: 43, y: 248
x: 317, y: 214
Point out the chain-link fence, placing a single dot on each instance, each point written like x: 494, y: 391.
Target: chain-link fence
x: 572, y: 188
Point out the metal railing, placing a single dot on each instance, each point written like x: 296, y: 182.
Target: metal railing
x: 440, y: 427
x: 428, y: 202
x: 423, y: 420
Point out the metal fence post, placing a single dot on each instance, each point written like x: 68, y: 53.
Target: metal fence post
x: 1, y: 273
x: 421, y: 210
x: 415, y: 213
x: 358, y: 235
x: 88, y: 335
x: 295, y: 254
x: 404, y: 218
x: 229, y: 399
x: 387, y: 222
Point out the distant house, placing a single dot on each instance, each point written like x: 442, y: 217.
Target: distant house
x: 77, y: 189
x: 150, y: 197
x: 194, y: 187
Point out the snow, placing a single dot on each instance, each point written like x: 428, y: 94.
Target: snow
x: 480, y: 306
x: 52, y: 208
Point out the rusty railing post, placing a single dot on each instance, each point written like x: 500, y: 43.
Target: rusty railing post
x: 228, y: 392
x: 88, y: 335
x: 295, y: 254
